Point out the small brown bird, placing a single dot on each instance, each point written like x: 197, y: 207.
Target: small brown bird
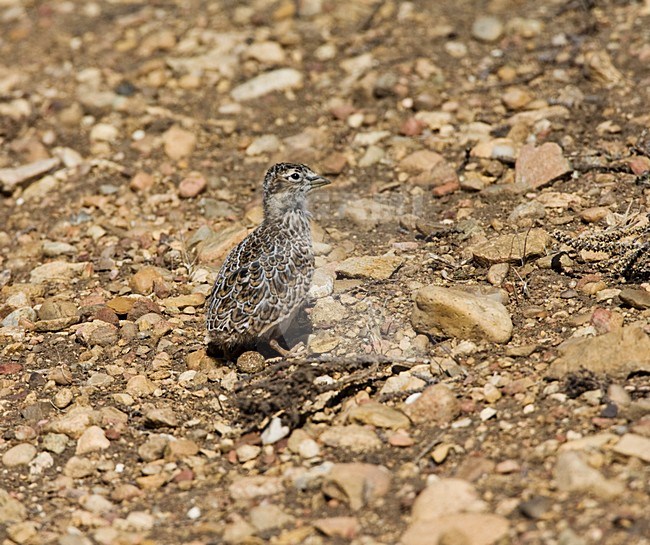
x: 266, y: 277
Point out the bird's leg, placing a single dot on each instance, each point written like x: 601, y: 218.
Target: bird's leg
x: 273, y: 343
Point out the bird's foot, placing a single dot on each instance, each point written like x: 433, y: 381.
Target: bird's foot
x: 292, y: 353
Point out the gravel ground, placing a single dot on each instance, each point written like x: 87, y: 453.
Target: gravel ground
x: 477, y: 340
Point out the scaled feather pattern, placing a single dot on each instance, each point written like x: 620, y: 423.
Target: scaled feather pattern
x: 265, y: 278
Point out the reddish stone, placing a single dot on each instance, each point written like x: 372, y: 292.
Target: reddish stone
x: 192, y: 185
x: 112, y: 434
x: 184, y: 475
x: 142, y: 181
x: 343, y: 111
x: 445, y: 189
x: 141, y: 307
x: 334, y: 163
x: 639, y: 165
x: 412, y: 127
x: 537, y: 166
x: 10, y: 368
x: 106, y: 314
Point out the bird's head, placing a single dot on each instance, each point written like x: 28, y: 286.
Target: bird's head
x: 286, y: 186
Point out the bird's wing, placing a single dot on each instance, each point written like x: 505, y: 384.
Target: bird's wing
x: 259, y: 287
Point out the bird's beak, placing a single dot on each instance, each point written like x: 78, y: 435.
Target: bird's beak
x: 317, y: 181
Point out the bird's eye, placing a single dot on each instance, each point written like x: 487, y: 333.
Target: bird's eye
x: 295, y: 176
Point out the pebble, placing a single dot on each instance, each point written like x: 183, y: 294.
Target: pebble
x: 23, y: 532
x: 536, y: 507
x: 354, y: 437
x: 487, y: 413
x: 379, y: 415
x: 618, y: 394
x: 448, y: 312
x: 266, y: 52
x: 445, y: 497
x: 525, y: 27
x: 358, y: 484
x: 56, y: 248
x: 74, y: 422
x: 524, y: 214
x: 601, y: 69
x: 181, y: 448
x: 327, y: 312
x: 265, y: 144
x: 639, y: 165
x: 459, y: 528
x: 516, y: 98
x: 193, y: 513
x: 635, y: 445
x: 573, y: 474
x: 141, y: 182
x: 256, y: 486
x: 594, y: 214
x: 276, y: 80
x: 369, y: 267
x: 11, y: 177
x: 178, y: 142
x: 537, y: 166
x: 508, y: 466
x: 54, y: 442
x: 153, y: 448
x: 247, y: 452
x: 343, y: 527
x: 322, y: 342
x: 62, y: 398
x: 368, y: 213
x: 97, y: 333
x: 487, y: 28
x: 497, y: 273
x: 268, y: 516
x: 18, y: 316
x: 159, y: 417
x: 216, y: 245
x: 11, y: 510
x: 103, y: 132
x: 91, y: 440
x: 617, y: 353
x: 192, y: 185
x: 322, y: 283
x: 19, y: 455
x: 40, y: 188
x: 412, y: 127
x: 512, y: 248
x: 78, y: 467
x: 421, y: 161
x: 145, y: 280
x: 56, y: 271
x: 274, y: 431
x: 636, y: 298
x: 334, y: 163
x: 52, y: 309
x: 437, y: 404
x: 404, y: 382
x: 372, y: 156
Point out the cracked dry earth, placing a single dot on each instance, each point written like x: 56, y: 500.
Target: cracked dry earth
x: 476, y: 344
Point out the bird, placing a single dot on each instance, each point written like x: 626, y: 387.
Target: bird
x: 264, y: 280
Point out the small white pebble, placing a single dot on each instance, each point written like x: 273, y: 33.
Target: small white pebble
x: 462, y: 423
x: 530, y: 408
x: 194, y: 513
x: 410, y: 399
x: 487, y: 413
x: 573, y: 435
